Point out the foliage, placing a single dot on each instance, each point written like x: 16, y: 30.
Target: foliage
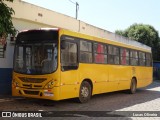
x: 145, y: 34
x: 6, y: 0
x: 120, y: 32
x: 6, y: 25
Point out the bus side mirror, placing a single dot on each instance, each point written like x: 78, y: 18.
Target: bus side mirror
x: 63, y: 44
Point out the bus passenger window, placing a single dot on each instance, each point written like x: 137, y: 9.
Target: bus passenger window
x: 142, y: 59
x: 124, y: 53
x: 100, y: 53
x: 134, y: 57
x: 85, y: 51
x: 113, y: 55
x: 148, y: 59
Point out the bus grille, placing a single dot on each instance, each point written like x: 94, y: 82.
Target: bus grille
x: 31, y: 92
x: 32, y: 80
x: 32, y: 86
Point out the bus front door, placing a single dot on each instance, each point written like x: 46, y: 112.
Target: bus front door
x: 69, y: 71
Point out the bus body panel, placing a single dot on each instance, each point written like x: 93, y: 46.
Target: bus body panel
x: 144, y: 76
x: 69, y: 84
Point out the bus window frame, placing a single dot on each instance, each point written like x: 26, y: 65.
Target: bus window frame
x: 92, y: 61
x: 93, y: 51
x: 114, y: 63
x: 78, y: 39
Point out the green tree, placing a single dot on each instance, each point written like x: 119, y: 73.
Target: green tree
x: 6, y: 25
x: 145, y: 34
x: 121, y: 32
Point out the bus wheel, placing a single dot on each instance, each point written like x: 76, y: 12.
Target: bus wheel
x: 133, y: 86
x: 85, y: 92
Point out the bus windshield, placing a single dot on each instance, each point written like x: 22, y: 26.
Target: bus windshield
x: 35, y: 58
x: 36, y: 52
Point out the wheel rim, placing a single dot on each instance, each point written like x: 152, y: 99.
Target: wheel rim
x: 84, y: 92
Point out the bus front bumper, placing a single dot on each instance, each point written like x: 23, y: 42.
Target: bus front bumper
x: 52, y: 94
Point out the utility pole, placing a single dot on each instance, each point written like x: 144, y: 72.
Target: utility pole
x: 77, y: 7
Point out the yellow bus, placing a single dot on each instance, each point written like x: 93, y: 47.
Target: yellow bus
x: 59, y: 64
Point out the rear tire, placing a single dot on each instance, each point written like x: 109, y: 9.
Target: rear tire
x: 84, y: 92
x: 133, y: 86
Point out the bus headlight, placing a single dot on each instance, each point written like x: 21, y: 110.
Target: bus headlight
x: 49, y: 85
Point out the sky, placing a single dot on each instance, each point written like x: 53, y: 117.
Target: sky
x: 110, y: 15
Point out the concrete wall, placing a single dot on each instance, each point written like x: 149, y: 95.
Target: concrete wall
x: 22, y: 24
x: 29, y: 12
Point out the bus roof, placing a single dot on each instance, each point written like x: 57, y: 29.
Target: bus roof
x: 109, y: 36
x: 119, y: 39
x: 55, y: 29
x: 127, y: 41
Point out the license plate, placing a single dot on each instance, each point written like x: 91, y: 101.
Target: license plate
x: 48, y: 94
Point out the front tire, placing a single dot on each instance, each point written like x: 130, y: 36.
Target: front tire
x: 85, y: 92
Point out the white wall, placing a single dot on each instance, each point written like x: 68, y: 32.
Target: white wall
x: 7, y: 62
x: 31, y: 16
x: 20, y: 24
x: 29, y: 12
x: 37, y: 14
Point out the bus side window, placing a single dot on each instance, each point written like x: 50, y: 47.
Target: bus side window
x: 100, y: 53
x: 69, y: 56
x: 85, y: 51
x: 124, y: 56
x: 148, y: 59
x: 113, y: 55
x: 133, y: 57
x: 142, y: 59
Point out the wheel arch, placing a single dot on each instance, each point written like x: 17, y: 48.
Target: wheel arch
x: 135, y: 78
